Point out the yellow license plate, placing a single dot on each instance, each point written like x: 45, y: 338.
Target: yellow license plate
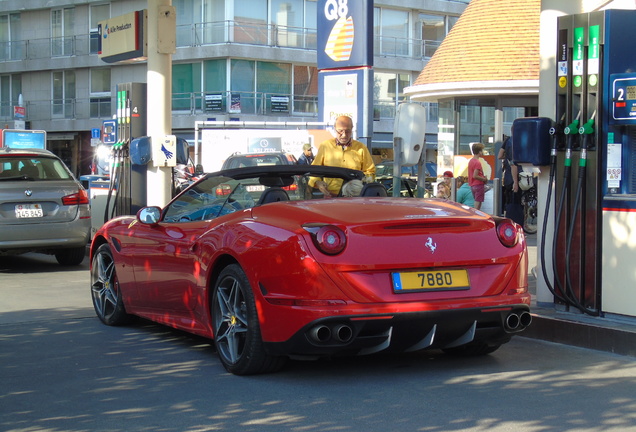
x: 430, y: 280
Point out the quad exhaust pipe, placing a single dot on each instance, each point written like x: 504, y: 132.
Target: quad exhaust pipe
x: 517, y: 321
x: 338, y: 333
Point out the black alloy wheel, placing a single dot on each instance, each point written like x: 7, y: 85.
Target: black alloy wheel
x: 237, y: 334
x: 107, y: 298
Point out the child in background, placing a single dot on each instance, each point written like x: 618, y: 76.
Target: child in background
x: 476, y: 178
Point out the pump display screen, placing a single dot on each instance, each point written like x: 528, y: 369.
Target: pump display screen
x: 623, y: 98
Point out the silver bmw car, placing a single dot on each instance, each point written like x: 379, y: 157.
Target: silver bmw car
x: 43, y: 207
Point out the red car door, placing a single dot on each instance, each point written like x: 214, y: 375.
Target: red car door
x: 165, y: 264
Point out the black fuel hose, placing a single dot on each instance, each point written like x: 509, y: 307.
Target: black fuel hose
x: 586, y: 130
x: 554, y: 131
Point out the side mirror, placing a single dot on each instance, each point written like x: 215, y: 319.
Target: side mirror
x: 149, y: 215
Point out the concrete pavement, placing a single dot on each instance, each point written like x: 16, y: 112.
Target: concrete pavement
x: 555, y: 324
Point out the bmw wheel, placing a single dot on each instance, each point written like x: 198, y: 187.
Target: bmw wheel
x: 237, y: 334
x: 71, y: 257
x: 107, y: 298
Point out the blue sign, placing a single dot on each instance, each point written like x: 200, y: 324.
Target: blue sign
x: 110, y: 131
x: 24, y: 138
x: 95, y: 133
x: 345, y: 33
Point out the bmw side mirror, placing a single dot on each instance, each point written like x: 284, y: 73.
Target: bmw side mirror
x: 149, y: 215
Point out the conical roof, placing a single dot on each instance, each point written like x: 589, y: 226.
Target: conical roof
x: 492, y: 49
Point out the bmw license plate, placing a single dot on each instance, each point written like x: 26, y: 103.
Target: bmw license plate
x: 255, y: 188
x: 430, y: 281
x: 28, y: 211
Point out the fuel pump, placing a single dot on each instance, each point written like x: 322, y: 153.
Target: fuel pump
x: 127, y: 181
x: 592, y: 160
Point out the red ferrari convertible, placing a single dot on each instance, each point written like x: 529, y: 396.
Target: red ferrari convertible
x: 259, y: 261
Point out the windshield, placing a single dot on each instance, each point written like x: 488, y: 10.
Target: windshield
x: 216, y: 196
x: 32, y: 168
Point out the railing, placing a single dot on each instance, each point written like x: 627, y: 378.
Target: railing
x: 387, y: 46
x: 224, y: 32
x: 239, y: 102
x: 187, y: 104
x: 81, y: 45
x: 221, y: 32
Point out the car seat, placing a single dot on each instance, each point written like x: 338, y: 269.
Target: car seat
x: 373, y: 190
x: 273, y: 195
x: 30, y: 171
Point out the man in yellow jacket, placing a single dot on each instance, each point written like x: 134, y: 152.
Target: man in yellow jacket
x: 345, y: 152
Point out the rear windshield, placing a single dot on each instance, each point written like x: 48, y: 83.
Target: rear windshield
x: 33, y: 167
x: 254, y: 160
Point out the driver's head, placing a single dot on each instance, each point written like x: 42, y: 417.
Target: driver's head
x: 344, y: 129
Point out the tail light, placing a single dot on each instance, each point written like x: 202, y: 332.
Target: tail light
x: 223, y: 189
x: 507, y: 233
x: 81, y: 197
x: 292, y: 187
x: 329, y: 239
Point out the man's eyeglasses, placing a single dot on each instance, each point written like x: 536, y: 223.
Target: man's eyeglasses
x: 344, y: 131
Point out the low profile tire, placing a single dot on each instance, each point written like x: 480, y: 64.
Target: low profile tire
x: 237, y: 333
x: 71, y: 257
x: 107, y: 298
x: 472, y: 349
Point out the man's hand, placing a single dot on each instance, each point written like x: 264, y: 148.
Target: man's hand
x: 322, y: 187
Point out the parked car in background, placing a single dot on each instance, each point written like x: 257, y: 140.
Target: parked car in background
x: 240, y: 160
x: 255, y: 260
x: 385, y: 169
x: 43, y: 207
x: 384, y: 175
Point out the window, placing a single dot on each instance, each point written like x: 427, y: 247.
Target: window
x: 10, y: 90
x: 433, y: 33
x: 215, y: 83
x: 477, y: 123
x: 242, y: 86
x: 391, y: 30
x: 452, y: 20
x: 388, y: 92
x: 310, y: 23
x: 63, y: 103
x: 250, y: 25
x: 100, y: 93
x: 62, y: 31
x: 305, y: 89
x: 100, y: 12
x: 11, y: 47
x: 432, y: 112
x: 287, y: 16
x: 274, y: 83
x: 189, y: 15
x: 186, y: 86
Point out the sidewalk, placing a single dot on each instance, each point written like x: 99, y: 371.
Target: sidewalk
x: 553, y: 323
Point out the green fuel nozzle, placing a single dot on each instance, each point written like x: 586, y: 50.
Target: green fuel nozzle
x: 572, y: 128
x: 587, y: 128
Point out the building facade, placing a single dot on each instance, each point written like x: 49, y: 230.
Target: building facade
x: 49, y: 63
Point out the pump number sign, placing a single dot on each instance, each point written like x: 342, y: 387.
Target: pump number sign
x: 624, y: 98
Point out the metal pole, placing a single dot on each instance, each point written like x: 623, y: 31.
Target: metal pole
x: 159, y: 78
x: 496, y: 196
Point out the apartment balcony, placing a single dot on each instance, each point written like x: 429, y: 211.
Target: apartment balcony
x: 86, y: 113
x: 195, y: 41
x: 212, y: 33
